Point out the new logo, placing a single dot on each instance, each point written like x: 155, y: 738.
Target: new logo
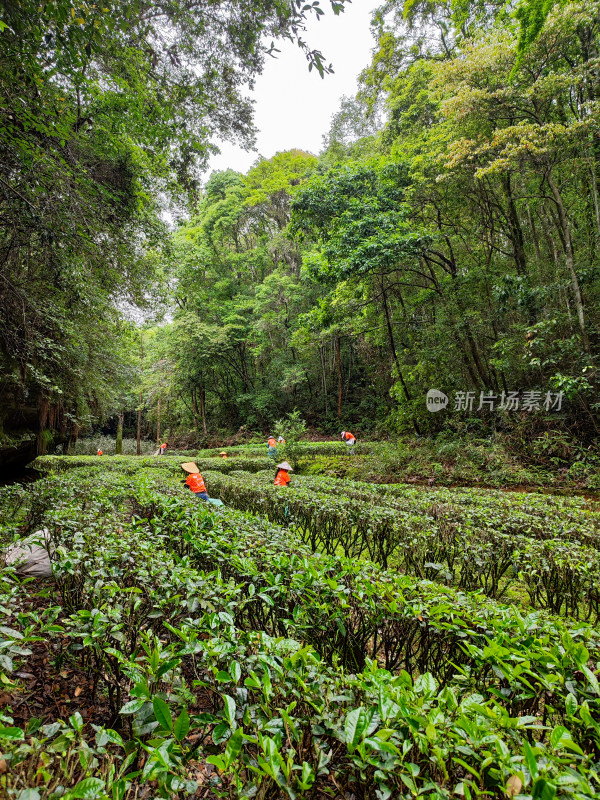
x: 436, y: 400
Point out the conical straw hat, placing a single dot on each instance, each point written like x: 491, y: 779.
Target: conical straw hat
x: 284, y: 465
x: 189, y: 466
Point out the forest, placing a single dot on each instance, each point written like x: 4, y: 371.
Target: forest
x: 204, y: 593
x: 445, y: 238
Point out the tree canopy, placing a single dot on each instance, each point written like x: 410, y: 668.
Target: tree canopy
x: 107, y: 112
x: 446, y: 237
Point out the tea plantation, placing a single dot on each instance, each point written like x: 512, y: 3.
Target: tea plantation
x: 335, y: 639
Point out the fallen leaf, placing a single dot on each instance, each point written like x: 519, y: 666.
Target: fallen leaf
x: 3, y: 766
x: 514, y: 785
x: 78, y: 691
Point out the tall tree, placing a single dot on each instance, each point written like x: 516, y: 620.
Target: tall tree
x: 104, y: 107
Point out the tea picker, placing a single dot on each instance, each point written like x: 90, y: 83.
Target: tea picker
x: 350, y: 440
x: 282, y: 477
x: 272, y: 447
x: 195, y: 482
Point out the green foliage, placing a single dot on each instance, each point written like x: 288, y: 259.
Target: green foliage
x: 438, y: 534
x: 274, y: 181
x: 90, y: 446
x: 451, y: 245
x: 219, y: 637
x: 360, y: 214
x: 532, y: 15
x: 107, y: 111
x: 292, y: 428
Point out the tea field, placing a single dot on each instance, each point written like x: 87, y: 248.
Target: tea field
x: 335, y: 639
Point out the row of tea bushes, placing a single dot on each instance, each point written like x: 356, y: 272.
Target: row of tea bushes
x: 422, y: 537
x: 302, y: 449
x: 160, y: 607
x: 132, y: 465
x: 543, y: 516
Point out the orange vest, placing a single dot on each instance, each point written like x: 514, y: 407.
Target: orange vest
x: 196, y: 482
x: 282, y: 478
x: 99, y: 452
x: 272, y: 442
x: 349, y: 435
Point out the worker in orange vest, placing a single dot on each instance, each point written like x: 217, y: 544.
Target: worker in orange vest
x: 350, y: 440
x: 271, y: 447
x: 223, y: 454
x: 99, y: 453
x: 195, y: 481
x: 162, y: 448
x: 282, y: 477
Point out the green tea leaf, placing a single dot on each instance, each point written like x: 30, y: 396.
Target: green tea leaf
x: 182, y: 725
x: 12, y: 733
x: 355, y: 726
x: 162, y: 712
x: 87, y: 789
x: 132, y: 706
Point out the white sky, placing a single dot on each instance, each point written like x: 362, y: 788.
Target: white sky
x: 293, y: 107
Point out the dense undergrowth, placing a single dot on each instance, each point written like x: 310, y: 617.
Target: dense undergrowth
x: 221, y: 654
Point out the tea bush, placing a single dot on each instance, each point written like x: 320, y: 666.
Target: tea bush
x: 546, y: 546
x: 236, y: 661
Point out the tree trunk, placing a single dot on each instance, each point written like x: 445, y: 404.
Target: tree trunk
x: 338, y: 361
x: 569, y: 258
x: 203, y: 410
x: 534, y: 236
x: 595, y: 189
x: 73, y: 436
x: 392, y: 343
x: 195, y: 409
x: 516, y: 232
x: 138, y: 446
x: 472, y: 345
x: 119, y: 442
x: 324, y: 377
x: 42, y: 440
x: 158, y: 442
